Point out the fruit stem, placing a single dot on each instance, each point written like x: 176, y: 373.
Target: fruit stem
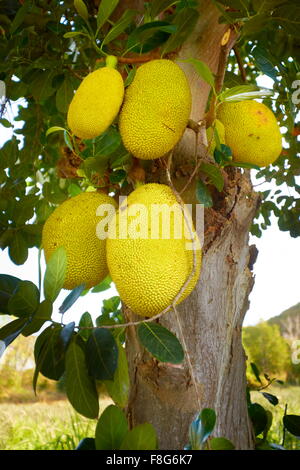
x: 111, y: 61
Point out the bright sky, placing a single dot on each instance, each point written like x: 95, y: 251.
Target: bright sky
x: 276, y: 270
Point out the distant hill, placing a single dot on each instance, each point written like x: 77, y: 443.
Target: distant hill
x: 289, y: 322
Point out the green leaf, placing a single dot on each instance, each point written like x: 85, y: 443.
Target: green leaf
x: 55, y: 274
x: 64, y: 95
x: 88, y: 443
x: 25, y: 300
x: 118, y: 388
x: 117, y: 176
x: 8, y: 285
x: 215, y: 175
x: 111, y: 305
x: 255, y: 371
x: 104, y: 285
x: 203, y: 71
x: 292, y: 424
x: 203, y: 195
x: 106, y: 8
x: 141, y: 437
x: 158, y: 6
x: 11, y: 331
x: 5, y: 123
x: 119, y: 26
x: 220, y: 443
x: 101, y: 354
x: 42, y: 314
x: 19, y: 17
x: 67, y: 333
x: 54, y: 129
x: 73, y: 34
x: 149, y: 36
x: 185, y: 20
x: 258, y: 417
x: 223, y: 154
x: 85, y: 321
x: 41, y: 87
x: 18, y: 249
x: 111, y: 429
x: 81, y: 9
x: 80, y: 387
x: 201, y: 428
x: 71, y: 298
x: 244, y: 92
x: 288, y: 17
x: 160, y: 342
x: 271, y: 398
x: 49, y: 354
x: 263, y: 61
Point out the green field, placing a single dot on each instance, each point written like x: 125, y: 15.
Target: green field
x: 50, y: 425
x: 54, y: 425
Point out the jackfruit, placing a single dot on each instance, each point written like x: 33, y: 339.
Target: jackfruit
x: 96, y: 103
x: 211, y: 141
x: 156, y: 109
x: 73, y: 225
x: 251, y: 131
x: 151, y: 256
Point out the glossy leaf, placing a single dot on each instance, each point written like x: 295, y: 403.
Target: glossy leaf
x: 86, y: 323
x: 81, y: 9
x: 258, y: 417
x: 25, y: 300
x: 55, y: 274
x: 88, y: 443
x: 118, y: 388
x: 215, y: 175
x: 106, y: 8
x: 111, y: 429
x: 42, y: 314
x: 141, y: 437
x: 18, y: 250
x: 119, y: 26
x: 80, y: 387
x: 102, y: 286
x: 160, y: 342
x: 10, y: 331
x: 185, y: 21
x: 101, y: 354
x: 201, y: 428
x: 71, y: 298
x: 8, y: 285
x: 203, y: 71
x: 220, y: 443
x: 49, y: 354
x: 292, y: 424
x: 271, y: 398
x: 203, y: 195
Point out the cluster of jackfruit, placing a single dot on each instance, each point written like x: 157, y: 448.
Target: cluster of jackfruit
x: 150, y: 273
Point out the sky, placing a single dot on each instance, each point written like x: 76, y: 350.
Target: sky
x: 276, y: 270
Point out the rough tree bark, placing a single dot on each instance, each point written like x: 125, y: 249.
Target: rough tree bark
x: 212, y: 315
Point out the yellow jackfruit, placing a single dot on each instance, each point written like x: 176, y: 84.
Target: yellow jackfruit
x: 96, y: 103
x: 251, y: 131
x: 73, y: 225
x: 151, y: 256
x: 156, y: 109
x: 211, y: 141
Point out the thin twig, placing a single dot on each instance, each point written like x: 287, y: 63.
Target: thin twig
x: 240, y: 63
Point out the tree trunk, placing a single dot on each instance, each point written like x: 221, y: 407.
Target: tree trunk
x: 212, y: 315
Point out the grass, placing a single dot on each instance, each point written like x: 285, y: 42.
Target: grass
x: 54, y: 425
x: 43, y: 426
x: 289, y: 395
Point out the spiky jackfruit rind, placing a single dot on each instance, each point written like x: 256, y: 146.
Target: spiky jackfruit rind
x: 96, y: 103
x: 149, y: 273
x: 156, y: 109
x: 251, y: 131
x: 73, y: 225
